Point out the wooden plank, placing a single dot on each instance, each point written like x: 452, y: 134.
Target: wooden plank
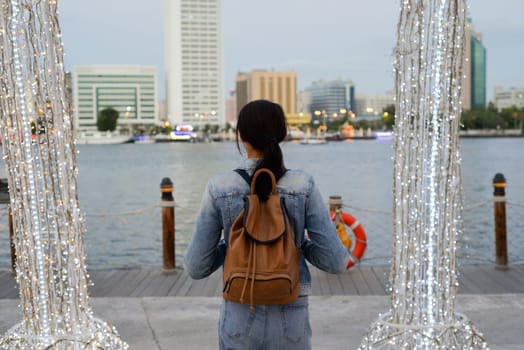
x: 322, y: 281
x: 92, y: 276
x: 7, y: 283
x: 375, y: 287
x: 478, y: 280
x: 184, y: 288
x: 182, y: 280
x: 98, y: 276
x: 315, y: 284
x: 360, y: 282
x: 107, y: 283
x: 8, y: 286
x: 348, y: 285
x: 158, y: 284
x: 150, y: 280
x: 117, y: 282
x: 363, y: 280
x: 517, y: 272
x: 166, y: 285
x: 193, y: 289
x: 465, y: 285
x: 103, y: 283
x: 504, y: 279
x: 382, y: 275
x: 490, y: 283
x: 219, y: 288
x: 131, y: 284
x: 335, y: 286
x: 211, y: 284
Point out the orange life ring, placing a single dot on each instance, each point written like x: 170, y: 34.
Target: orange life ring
x: 358, y: 231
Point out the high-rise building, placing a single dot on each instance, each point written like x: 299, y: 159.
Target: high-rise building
x: 508, y: 98
x: 373, y: 106
x: 474, y: 82
x: 330, y: 98
x: 193, y: 62
x: 131, y: 90
x: 304, y: 101
x: 231, y: 108
x: 279, y: 87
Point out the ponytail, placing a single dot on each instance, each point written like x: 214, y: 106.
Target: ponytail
x: 262, y: 123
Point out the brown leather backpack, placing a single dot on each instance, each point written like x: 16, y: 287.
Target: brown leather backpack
x: 262, y: 260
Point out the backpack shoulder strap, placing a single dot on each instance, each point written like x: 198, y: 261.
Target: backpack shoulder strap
x: 244, y: 175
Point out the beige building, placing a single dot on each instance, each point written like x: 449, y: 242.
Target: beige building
x: 279, y: 87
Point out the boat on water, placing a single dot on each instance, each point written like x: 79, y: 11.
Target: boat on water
x: 383, y: 135
x: 144, y: 139
x: 313, y: 141
x: 102, y: 138
x: 182, y: 133
x: 310, y: 140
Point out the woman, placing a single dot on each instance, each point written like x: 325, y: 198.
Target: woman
x: 261, y: 127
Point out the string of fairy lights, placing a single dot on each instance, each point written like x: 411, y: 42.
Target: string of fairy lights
x: 426, y: 184
x: 40, y: 154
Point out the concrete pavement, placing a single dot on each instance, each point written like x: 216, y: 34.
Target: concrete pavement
x: 338, y: 322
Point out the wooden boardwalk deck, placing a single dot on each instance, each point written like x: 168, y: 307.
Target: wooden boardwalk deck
x: 359, y: 280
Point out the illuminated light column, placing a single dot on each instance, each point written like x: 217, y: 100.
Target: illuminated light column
x: 40, y: 154
x: 426, y: 184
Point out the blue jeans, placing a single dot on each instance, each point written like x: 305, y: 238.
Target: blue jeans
x: 275, y: 327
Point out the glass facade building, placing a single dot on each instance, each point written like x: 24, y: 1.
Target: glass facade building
x: 474, y: 69
x: 331, y: 98
x: 478, y: 73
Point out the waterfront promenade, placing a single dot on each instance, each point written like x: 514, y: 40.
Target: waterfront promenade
x: 159, y: 311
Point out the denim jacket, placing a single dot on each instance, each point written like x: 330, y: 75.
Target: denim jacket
x: 222, y: 201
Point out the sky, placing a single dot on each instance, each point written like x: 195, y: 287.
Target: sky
x: 318, y: 39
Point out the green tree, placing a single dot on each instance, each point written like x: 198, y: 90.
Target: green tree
x: 215, y: 128
x: 336, y: 124
x: 107, y: 119
x: 513, y: 116
x: 388, y: 116
x: 489, y: 118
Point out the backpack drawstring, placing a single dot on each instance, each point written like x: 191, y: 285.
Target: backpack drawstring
x: 250, y: 267
x: 251, y: 306
x: 250, y: 260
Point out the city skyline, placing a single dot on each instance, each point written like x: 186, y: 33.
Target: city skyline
x: 318, y: 40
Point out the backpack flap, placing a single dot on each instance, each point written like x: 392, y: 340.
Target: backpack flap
x: 264, y: 221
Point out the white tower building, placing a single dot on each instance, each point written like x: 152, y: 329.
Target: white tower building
x: 194, y: 62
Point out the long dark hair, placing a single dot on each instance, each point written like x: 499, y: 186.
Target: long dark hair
x: 262, y: 124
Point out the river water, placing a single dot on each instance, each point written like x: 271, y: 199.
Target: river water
x: 119, y: 192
